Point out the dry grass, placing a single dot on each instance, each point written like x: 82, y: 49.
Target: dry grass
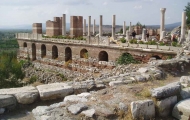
x: 36, y: 84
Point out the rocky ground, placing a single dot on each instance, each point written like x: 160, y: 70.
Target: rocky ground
x: 104, y: 95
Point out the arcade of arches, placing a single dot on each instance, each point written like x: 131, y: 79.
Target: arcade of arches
x: 103, y: 55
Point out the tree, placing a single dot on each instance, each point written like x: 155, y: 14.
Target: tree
x: 121, y: 30
x: 138, y: 24
x: 187, y: 9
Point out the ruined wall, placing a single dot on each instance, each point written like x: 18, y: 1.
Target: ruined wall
x: 37, y: 28
x: 53, y: 28
x: 76, y: 26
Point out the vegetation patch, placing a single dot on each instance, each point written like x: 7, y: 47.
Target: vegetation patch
x: 125, y: 59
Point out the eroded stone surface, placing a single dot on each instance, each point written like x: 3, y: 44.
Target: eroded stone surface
x: 77, y: 108
x: 54, y: 91
x: 182, y: 110
x: 143, y: 109
x: 24, y: 95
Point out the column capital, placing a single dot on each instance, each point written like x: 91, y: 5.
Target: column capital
x: 163, y: 10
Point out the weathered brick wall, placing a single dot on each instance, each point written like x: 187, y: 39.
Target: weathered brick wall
x: 76, y: 26
x: 37, y: 28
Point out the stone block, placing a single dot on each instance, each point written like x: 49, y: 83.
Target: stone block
x: 165, y: 106
x: 24, y: 95
x: 7, y: 101
x: 181, y: 110
x: 143, y: 109
x: 77, y: 108
x: 54, y: 91
x: 185, y: 81
x: 166, y: 91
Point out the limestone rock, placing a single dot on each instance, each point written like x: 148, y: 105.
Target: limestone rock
x: 105, y: 112
x: 166, y: 91
x: 185, y: 93
x: 181, y: 110
x: 115, y: 83
x: 75, y: 98
x: 185, y: 81
x: 143, y: 109
x: 24, y: 95
x: 123, y: 107
x: 140, y: 78
x: 142, y: 70
x: 77, y: 108
x: 7, y: 101
x: 54, y: 91
x: 89, y: 113
x: 165, y: 106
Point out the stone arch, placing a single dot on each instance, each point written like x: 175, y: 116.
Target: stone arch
x: 33, y: 51
x: 68, y: 54
x: 24, y: 44
x: 43, y: 51
x: 84, y: 53
x: 54, y: 52
x: 103, y: 56
x: 157, y: 57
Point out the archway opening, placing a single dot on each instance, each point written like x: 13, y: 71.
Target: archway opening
x: 157, y: 57
x: 103, y: 56
x: 84, y: 53
x: 54, y: 52
x: 24, y: 44
x: 68, y: 54
x: 33, y: 51
x: 43, y: 51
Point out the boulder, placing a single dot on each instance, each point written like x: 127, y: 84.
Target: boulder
x: 165, y: 106
x: 54, y: 91
x: 171, y: 89
x: 89, y: 113
x: 2, y: 110
x: 185, y: 93
x: 144, y: 109
x: 185, y: 81
x: 77, y: 108
x: 181, y: 110
x: 24, y: 95
x: 104, y: 112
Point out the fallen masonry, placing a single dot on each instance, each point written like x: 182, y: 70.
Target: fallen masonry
x: 104, y: 97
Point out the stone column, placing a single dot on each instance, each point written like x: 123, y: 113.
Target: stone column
x: 89, y: 25
x: 84, y: 27
x: 124, y: 28
x: 127, y: 35
x: 162, y: 35
x: 130, y: 28
x: 64, y: 25
x: 188, y: 37
x: 162, y: 21
x: 94, y: 25
x: 100, y: 26
x: 183, y: 29
x: 113, y: 27
x: 144, y: 34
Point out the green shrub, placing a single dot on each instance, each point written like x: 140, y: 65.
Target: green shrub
x: 133, y: 41
x: 32, y: 79
x: 126, y: 58
x: 162, y: 44
x: 140, y: 42
x: 123, y: 40
x: 175, y: 44
x: 151, y: 43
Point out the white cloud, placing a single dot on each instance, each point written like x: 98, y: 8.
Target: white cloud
x: 138, y: 7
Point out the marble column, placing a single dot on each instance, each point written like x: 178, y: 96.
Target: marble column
x: 124, y: 28
x: 188, y: 37
x: 162, y: 21
x: 94, y: 26
x: 113, y: 27
x: 89, y: 25
x: 84, y: 27
x: 100, y: 26
x: 144, y: 34
x: 183, y: 29
x: 130, y: 28
x: 64, y: 25
x: 127, y: 35
x: 163, y: 35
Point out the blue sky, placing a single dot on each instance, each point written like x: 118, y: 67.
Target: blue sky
x: 18, y: 12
